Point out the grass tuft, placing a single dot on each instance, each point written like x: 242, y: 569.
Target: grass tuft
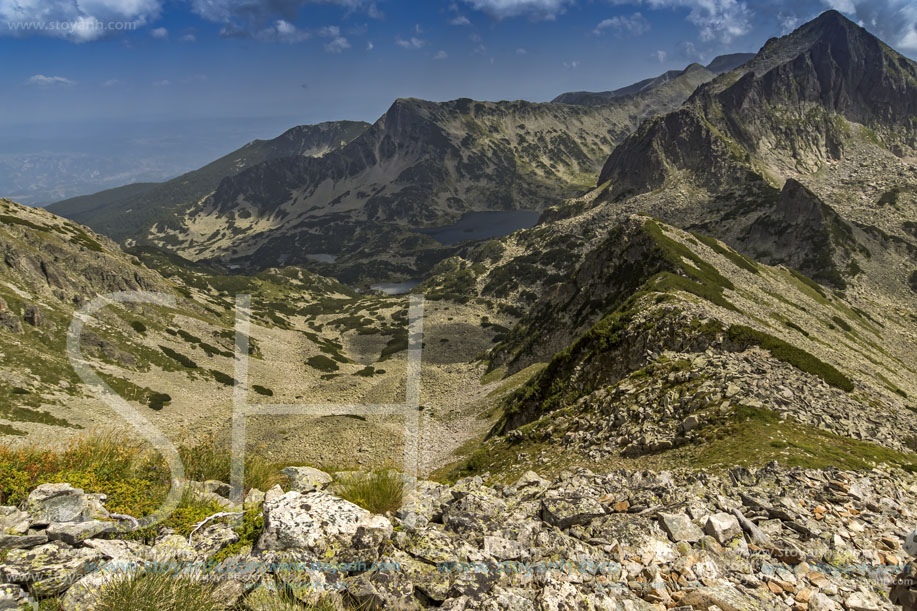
x: 157, y: 591
x: 379, y: 491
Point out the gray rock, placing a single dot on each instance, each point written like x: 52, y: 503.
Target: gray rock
x: 679, y: 527
x: 217, y: 487
x: 307, y: 479
x: 213, y: 538
x: 566, y: 512
x: 820, y: 602
x: 22, y: 541
x: 34, y: 316
x: 115, y: 549
x: 861, y: 601
x: 74, y: 533
x: 57, y: 503
x: 10, y: 322
x: 48, y: 569
x: 13, y: 521
x: 324, y: 525
x: 723, y: 527
x: 13, y: 597
x: 382, y: 589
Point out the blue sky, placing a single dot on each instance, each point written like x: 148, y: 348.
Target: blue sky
x: 317, y: 60
x: 263, y: 66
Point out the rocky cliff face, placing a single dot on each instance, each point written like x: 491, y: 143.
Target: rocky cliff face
x: 786, y: 109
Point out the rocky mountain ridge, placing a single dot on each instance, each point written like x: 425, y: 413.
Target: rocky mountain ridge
x: 122, y: 212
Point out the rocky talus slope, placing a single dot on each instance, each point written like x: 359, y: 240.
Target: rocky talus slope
x: 772, y: 538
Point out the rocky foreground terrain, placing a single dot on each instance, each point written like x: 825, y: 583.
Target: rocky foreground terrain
x: 768, y: 538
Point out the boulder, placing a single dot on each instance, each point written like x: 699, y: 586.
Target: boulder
x: 382, y: 589
x: 10, y: 322
x: 13, y: 521
x: 212, y: 539
x: 22, y: 541
x: 14, y: 597
x: 679, y: 527
x: 323, y: 525
x: 307, y: 479
x: 48, y: 569
x: 564, y: 512
x: 57, y: 503
x: 723, y: 527
x: 74, y: 533
x: 34, y: 316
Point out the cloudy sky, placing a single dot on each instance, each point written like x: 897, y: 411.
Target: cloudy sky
x: 302, y: 61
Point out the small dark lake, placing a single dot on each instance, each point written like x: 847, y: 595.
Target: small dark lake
x: 483, y: 225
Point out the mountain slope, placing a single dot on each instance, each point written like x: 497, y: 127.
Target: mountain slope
x: 121, y: 212
x: 667, y: 81
x: 824, y: 114
x: 422, y: 164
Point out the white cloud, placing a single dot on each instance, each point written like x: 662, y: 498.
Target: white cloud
x: 536, y: 9
x: 49, y: 81
x: 521, y: 51
x: 573, y: 65
x: 721, y: 20
x: 659, y: 55
x: 894, y: 21
x: 250, y: 18
x: 337, y: 45
x: 188, y: 38
x: 110, y: 82
x: 279, y: 31
x: 635, y: 25
x: 441, y: 55
x: 159, y: 33
x: 413, y: 43
x: 162, y: 83
x: 459, y: 20
x: 370, y: 46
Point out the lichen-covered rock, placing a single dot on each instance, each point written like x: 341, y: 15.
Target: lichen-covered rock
x: 385, y: 588
x: 57, y: 503
x: 680, y: 527
x: 74, y: 533
x: 723, y: 527
x: 22, y: 541
x: 48, y: 569
x: 13, y: 597
x: 324, y: 525
x: 307, y: 479
x: 13, y: 521
x: 564, y: 512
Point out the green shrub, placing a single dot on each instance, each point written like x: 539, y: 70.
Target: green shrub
x: 138, y: 326
x: 746, y: 336
x: 183, y: 360
x: 222, y: 378
x: 159, y: 400
x: 322, y: 363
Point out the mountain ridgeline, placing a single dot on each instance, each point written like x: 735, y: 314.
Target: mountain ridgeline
x: 122, y: 212
x: 421, y: 164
